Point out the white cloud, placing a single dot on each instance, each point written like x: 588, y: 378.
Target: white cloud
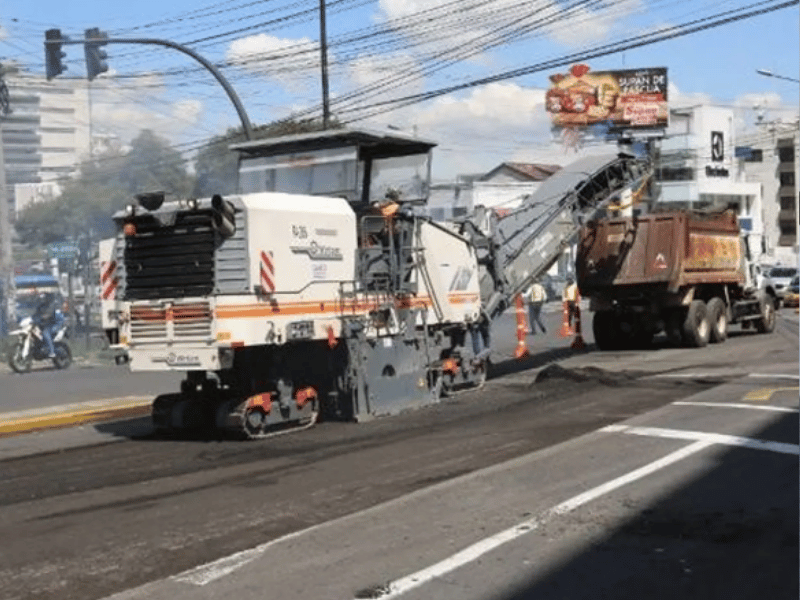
x: 368, y: 70
x: 492, y: 124
x: 288, y: 61
x: 584, y: 26
x: 126, y: 110
x: 499, y: 22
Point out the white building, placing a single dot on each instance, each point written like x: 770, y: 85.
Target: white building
x: 698, y: 168
x: 769, y: 155
x: 47, y: 134
x: 502, y: 189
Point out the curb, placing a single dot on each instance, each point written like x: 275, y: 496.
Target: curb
x: 70, y: 415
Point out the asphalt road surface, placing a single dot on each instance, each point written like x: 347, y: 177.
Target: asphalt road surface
x: 660, y: 474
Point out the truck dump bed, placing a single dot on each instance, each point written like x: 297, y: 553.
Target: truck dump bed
x: 669, y: 250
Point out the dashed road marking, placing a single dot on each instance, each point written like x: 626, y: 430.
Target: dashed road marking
x: 765, y: 394
x: 737, y: 405
x: 702, y: 436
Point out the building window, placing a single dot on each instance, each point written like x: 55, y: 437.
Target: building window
x: 756, y: 155
x: 786, y: 155
x: 787, y: 228
x: 675, y: 174
x: 787, y: 203
x: 787, y: 179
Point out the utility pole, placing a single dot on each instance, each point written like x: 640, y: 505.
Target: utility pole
x: 6, y: 259
x: 323, y: 48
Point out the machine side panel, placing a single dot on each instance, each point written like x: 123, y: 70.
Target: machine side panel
x: 448, y: 273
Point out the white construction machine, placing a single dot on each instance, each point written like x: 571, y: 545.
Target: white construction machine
x: 321, y: 289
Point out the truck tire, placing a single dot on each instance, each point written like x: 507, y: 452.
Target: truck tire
x: 766, y: 322
x: 605, y: 330
x: 696, y: 328
x: 717, y: 320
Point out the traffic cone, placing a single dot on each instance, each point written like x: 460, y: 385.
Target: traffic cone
x: 522, y: 330
x: 565, y: 330
x: 578, y: 343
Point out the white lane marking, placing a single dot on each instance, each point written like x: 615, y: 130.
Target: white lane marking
x: 712, y: 438
x: 475, y: 551
x: 775, y: 375
x: 700, y: 375
x: 736, y: 405
x: 205, y: 574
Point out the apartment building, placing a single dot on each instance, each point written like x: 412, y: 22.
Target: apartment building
x: 45, y: 136
x: 769, y: 155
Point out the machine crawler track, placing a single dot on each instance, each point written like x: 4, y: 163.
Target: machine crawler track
x: 175, y: 414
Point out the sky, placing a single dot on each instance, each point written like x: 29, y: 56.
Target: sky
x: 384, y: 51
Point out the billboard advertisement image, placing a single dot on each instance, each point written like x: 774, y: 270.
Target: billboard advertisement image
x: 627, y: 99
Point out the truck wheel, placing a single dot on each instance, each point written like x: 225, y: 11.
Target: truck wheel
x: 766, y: 323
x: 605, y: 330
x: 696, y: 328
x: 718, y: 320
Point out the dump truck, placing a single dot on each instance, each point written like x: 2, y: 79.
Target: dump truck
x: 321, y: 288
x: 685, y: 273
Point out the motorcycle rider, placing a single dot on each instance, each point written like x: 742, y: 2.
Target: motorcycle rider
x: 49, y: 319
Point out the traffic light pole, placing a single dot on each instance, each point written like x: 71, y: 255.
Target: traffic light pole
x: 248, y: 129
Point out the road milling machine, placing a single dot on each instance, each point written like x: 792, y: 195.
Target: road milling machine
x: 322, y: 289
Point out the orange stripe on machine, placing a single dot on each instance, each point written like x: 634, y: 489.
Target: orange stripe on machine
x: 108, y: 280
x: 325, y: 307
x: 267, y: 272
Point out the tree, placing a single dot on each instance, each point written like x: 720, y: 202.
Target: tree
x: 216, y: 166
x: 105, y: 185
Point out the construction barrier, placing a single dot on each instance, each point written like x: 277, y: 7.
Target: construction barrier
x: 522, y: 329
x: 566, y: 330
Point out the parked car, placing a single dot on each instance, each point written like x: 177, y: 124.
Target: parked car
x: 782, y: 278
x: 792, y: 295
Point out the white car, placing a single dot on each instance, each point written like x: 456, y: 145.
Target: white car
x: 782, y: 277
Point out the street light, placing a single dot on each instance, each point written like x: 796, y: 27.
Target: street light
x: 767, y: 73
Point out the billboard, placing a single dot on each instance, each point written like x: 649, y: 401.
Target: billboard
x: 627, y: 99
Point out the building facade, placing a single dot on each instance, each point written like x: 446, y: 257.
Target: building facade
x: 697, y: 168
x: 46, y: 135
x: 770, y: 154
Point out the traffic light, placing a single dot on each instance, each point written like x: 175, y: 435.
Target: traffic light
x: 53, y: 54
x: 95, y: 55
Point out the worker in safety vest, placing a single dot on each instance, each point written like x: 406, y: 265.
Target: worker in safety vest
x: 571, y: 297
x: 536, y: 298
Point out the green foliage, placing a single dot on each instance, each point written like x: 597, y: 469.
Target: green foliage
x: 106, y: 184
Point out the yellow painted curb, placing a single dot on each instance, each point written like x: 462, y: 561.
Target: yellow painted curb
x: 72, y: 415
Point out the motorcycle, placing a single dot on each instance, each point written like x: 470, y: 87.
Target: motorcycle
x: 30, y: 346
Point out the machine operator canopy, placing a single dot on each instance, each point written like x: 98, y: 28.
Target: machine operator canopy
x: 360, y: 165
